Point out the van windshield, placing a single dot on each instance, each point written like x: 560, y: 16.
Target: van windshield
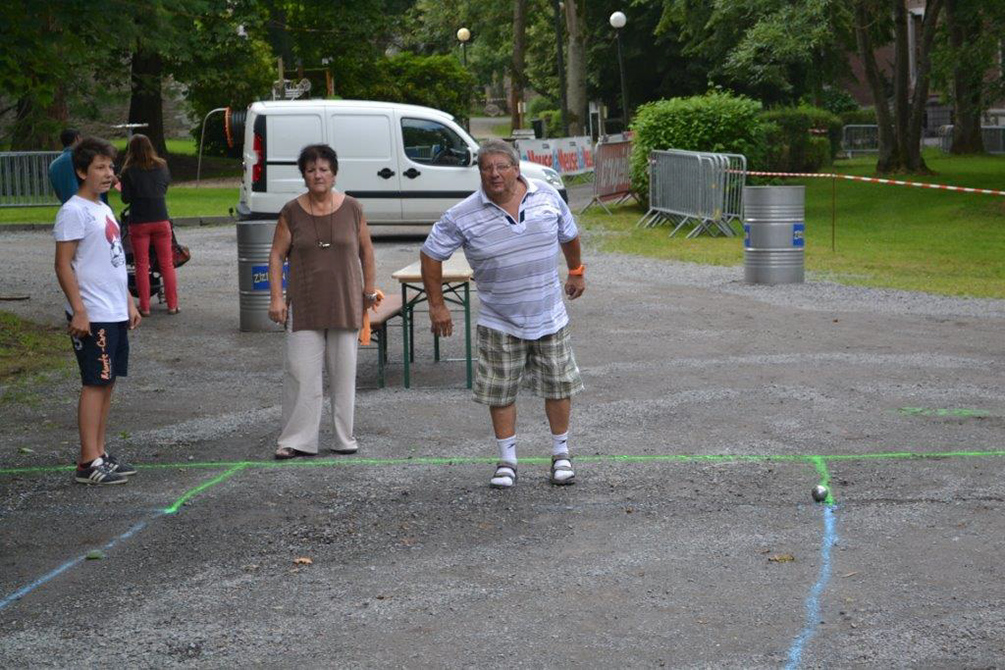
x: 433, y: 143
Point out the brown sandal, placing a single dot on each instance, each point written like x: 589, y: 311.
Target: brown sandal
x: 284, y: 453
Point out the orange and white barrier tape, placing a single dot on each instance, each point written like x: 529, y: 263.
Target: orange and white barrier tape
x: 876, y: 180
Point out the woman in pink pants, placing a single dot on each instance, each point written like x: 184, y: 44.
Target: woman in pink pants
x: 145, y: 180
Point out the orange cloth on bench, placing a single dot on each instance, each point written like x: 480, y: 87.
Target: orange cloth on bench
x: 364, y: 332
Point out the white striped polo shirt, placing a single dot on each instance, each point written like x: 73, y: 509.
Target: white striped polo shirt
x: 514, y: 262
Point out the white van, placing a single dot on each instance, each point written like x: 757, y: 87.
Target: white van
x: 406, y: 164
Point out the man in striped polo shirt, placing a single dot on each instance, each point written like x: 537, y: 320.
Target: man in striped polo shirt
x: 511, y: 231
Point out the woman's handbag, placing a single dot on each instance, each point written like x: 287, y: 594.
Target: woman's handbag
x: 180, y: 252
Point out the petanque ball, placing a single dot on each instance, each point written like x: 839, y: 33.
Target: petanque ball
x: 820, y: 493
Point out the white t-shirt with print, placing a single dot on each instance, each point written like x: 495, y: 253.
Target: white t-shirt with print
x: 99, y: 262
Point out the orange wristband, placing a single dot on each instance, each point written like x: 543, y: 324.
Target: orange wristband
x: 578, y: 272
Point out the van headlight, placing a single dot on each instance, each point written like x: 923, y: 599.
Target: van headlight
x: 553, y: 178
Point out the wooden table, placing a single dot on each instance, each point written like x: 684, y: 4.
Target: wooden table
x: 456, y: 290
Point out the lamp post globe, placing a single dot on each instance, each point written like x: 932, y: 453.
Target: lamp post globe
x: 618, y: 21
x: 463, y: 35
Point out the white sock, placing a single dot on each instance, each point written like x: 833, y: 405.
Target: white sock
x: 507, y: 449
x: 560, y: 444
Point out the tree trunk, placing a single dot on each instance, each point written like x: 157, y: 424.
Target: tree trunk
x: 516, y: 71
x: 901, y: 88
x: 576, y: 67
x: 867, y: 52
x: 145, y: 104
x: 899, y: 133
x: 912, y: 145
x: 964, y: 30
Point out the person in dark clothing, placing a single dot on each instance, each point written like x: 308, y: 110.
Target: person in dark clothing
x: 62, y: 176
x: 145, y: 178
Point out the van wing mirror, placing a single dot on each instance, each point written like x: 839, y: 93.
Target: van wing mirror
x: 469, y: 157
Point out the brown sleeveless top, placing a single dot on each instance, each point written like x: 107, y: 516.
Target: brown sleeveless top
x: 325, y: 288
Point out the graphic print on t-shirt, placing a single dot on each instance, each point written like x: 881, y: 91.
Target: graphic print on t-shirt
x: 114, y: 241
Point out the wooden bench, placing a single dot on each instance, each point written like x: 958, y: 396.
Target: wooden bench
x: 390, y: 307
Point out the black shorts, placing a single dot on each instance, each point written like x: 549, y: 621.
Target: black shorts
x: 104, y: 354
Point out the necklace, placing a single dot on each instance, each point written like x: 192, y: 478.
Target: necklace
x: 331, y: 223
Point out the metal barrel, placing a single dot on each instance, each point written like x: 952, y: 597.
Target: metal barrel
x: 774, y: 227
x: 254, y: 241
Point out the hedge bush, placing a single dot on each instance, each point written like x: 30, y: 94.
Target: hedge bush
x: 539, y: 105
x: 716, y: 121
x: 792, y: 145
x: 552, y: 122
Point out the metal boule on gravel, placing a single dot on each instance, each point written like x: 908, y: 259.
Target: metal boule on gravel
x: 820, y: 492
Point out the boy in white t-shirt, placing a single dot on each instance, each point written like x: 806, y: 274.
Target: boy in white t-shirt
x: 91, y: 269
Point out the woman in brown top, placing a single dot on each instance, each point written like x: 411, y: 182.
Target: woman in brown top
x: 324, y: 236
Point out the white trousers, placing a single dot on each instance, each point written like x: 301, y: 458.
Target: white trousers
x: 303, y: 391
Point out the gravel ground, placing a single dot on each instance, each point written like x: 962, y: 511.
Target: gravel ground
x: 684, y: 560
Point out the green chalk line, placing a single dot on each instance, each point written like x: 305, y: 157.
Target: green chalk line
x: 202, y: 487
x: 469, y: 460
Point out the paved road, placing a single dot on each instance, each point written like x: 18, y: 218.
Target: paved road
x: 711, y: 410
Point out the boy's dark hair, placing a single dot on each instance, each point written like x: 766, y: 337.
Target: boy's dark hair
x: 89, y: 147
x: 313, y: 153
x: 69, y: 136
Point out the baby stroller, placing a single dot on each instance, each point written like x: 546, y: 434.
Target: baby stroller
x: 181, y: 256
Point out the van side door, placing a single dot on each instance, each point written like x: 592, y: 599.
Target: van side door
x: 366, y: 145
x: 437, y: 168
x: 285, y: 135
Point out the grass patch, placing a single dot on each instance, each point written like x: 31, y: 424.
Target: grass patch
x: 183, y: 201
x: 28, y: 351
x: 502, y: 129
x: 885, y: 236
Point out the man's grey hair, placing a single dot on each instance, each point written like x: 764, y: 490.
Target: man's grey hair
x: 501, y: 147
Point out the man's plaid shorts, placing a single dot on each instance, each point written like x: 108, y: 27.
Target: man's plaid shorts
x: 546, y: 366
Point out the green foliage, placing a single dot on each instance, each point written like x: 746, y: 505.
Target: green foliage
x: 49, y: 52
x: 227, y: 70
x: 863, y: 116
x: 716, y: 121
x: 539, y: 105
x: 434, y: 81
x: 775, y: 50
x: 978, y: 25
x: 552, y: 122
x: 431, y: 28
x: 835, y: 100
x: 802, y: 139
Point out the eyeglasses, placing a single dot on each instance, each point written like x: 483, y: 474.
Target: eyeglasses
x: 497, y: 167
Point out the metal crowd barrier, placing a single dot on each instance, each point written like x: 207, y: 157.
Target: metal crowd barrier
x: 993, y: 136
x: 24, y: 179
x: 861, y: 138
x: 612, y: 174
x: 694, y: 187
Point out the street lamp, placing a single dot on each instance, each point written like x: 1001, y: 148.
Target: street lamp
x: 463, y: 35
x: 618, y: 21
